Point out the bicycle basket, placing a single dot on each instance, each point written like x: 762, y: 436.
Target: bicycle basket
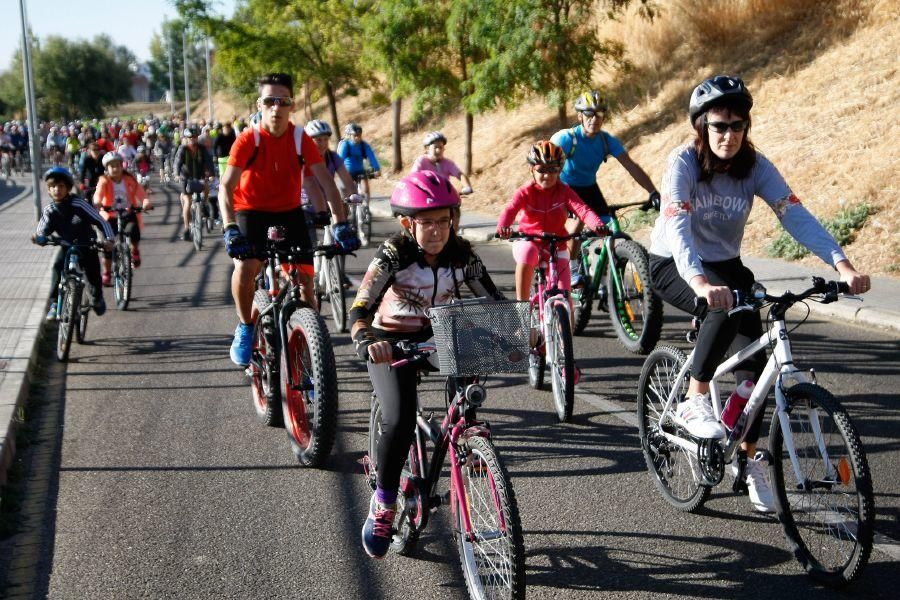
x: 481, y: 337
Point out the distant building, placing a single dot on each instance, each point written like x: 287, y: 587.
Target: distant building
x: 140, y: 83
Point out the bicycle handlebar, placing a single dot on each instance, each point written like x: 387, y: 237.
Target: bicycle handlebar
x: 55, y: 241
x: 549, y: 237
x: 759, y: 296
x: 411, y: 352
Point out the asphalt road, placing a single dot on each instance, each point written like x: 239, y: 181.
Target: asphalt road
x: 150, y: 477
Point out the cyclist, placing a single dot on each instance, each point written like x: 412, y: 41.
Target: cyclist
x: 142, y: 165
x: 708, y: 192
x: 91, y: 169
x: 421, y: 266
x: 127, y: 151
x: 222, y: 146
x: 73, y: 148
x: 162, y: 150
x: 354, y: 150
x: 73, y: 220
x: 433, y: 160
x: 119, y: 189
x: 586, y: 147
x: 261, y: 188
x: 193, y: 164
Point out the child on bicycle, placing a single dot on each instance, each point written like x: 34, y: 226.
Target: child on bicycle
x: 354, y: 150
x: 544, y: 203
x: 73, y: 220
x: 422, y: 266
x: 434, y: 160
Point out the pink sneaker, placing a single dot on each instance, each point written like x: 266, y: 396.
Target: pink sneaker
x: 135, y: 257
x: 107, y: 279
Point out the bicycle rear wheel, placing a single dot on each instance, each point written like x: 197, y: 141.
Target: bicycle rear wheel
x: 335, y: 293
x: 122, y: 273
x: 674, y: 469
x: 562, y: 371
x: 636, y: 312
x: 197, y: 225
x: 264, y: 375
x: 84, y: 312
x: 493, y: 557
x: 828, y: 515
x: 363, y: 223
x: 582, y: 303
x: 310, y: 404
x: 67, y: 318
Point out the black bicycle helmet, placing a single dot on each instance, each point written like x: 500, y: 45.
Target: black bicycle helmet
x: 60, y: 173
x: 718, y: 91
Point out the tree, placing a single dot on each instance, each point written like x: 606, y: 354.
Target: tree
x: 171, y: 37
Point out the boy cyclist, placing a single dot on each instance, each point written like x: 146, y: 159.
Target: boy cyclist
x: 73, y: 220
x: 422, y: 266
x: 354, y: 150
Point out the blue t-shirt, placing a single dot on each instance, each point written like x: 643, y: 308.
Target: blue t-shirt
x: 355, y: 154
x: 581, y: 166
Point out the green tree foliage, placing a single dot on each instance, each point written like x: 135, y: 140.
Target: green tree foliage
x: 170, y: 36
x: 72, y: 78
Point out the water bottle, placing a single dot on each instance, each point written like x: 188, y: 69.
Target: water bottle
x: 734, y: 407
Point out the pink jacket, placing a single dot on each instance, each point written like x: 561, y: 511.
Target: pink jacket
x: 545, y: 211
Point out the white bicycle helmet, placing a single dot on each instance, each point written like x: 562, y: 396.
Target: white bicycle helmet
x: 317, y: 127
x: 432, y: 137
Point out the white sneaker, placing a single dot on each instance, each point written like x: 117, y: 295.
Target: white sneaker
x: 757, y: 478
x: 695, y: 414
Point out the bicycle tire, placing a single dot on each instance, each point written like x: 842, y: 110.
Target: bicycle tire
x: 638, y: 317
x: 562, y: 376
x: 265, y: 381
x: 364, y: 233
x: 537, y: 362
x: 197, y: 226
x: 813, y: 524
x: 665, y: 461
x: 494, y: 514
x: 84, y: 311
x: 122, y: 274
x: 335, y: 294
x: 312, y: 364
x: 67, y: 318
x: 411, y: 514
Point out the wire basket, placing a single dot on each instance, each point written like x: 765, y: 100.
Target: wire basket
x: 481, y: 337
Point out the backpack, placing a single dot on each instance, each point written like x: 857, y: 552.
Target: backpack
x: 575, y: 144
x: 298, y: 144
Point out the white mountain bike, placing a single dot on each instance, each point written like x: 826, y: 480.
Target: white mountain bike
x: 818, y: 467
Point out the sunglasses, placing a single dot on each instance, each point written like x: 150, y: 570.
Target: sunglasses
x: 547, y: 170
x: 590, y: 114
x: 722, y: 126
x: 270, y: 101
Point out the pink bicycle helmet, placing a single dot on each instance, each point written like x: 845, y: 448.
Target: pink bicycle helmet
x: 423, y: 190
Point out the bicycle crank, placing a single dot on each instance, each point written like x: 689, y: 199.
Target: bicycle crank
x: 711, y: 460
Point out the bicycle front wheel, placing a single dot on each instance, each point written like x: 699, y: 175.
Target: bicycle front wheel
x: 675, y: 470
x: 264, y: 378
x: 310, y: 403
x: 197, y: 226
x: 122, y: 273
x: 492, y: 553
x: 67, y: 319
x: 84, y: 312
x: 335, y: 293
x: 828, y: 512
x: 635, y: 310
x: 562, y: 370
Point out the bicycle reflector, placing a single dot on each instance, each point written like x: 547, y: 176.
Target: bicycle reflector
x: 276, y: 233
x: 843, y: 470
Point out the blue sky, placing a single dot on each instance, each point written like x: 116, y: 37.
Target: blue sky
x: 130, y: 23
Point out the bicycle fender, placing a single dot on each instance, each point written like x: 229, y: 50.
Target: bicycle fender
x: 483, y: 431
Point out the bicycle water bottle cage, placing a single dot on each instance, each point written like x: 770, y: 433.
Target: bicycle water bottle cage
x: 276, y: 233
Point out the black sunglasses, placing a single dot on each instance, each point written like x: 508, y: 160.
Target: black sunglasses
x: 270, y: 101
x: 590, y: 114
x: 546, y: 170
x: 722, y: 126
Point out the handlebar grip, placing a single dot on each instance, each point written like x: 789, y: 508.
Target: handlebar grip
x: 843, y: 287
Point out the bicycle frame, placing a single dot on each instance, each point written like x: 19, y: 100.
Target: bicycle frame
x: 772, y: 373
x: 548, y: 295
x: 604, y: 251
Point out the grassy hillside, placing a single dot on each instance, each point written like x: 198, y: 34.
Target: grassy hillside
x: 827, y: 100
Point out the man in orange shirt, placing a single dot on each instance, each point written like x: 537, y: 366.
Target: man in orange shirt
x: 260, y: 189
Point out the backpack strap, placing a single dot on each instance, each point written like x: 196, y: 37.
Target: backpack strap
x: 298, y: 144
x: 575, y: 144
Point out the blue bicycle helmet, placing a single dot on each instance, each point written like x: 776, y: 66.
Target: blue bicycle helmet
x: 60, y: 173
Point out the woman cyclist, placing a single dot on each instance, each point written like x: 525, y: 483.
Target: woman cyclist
x: 707, y: 195
x: 433, y: 160
x: 424, y: 265
x: 354, y: 150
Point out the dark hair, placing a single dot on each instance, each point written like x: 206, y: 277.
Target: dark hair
x: 54, y: 178
x: 740, y: 165
x: 282, y: 79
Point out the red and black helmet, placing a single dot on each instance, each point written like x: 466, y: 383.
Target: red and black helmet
x: 546, y: 153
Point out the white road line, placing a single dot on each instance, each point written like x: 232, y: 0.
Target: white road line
x: 882, y: 543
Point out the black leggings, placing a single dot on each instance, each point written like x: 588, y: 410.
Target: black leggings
x: 90, y: 262
x: 396, y: 391
x: 718, y: 333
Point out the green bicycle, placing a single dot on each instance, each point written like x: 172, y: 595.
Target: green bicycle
x: 621, y: 287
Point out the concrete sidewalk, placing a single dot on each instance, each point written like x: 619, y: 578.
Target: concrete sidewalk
x: 24, y: 293
x: 879, y: 308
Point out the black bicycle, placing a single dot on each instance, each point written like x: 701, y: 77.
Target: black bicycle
x: 122, y: 267
x: 195, y: 188
x: 292, y: 372
x: 73, y: 302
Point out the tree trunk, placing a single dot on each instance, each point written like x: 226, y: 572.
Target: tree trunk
x: 307, y: 100
x: 332, y: 105
x: 396, y: 104
x: 470, y: 124
x: 563, y: 119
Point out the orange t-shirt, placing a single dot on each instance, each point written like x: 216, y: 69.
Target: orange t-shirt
x: 272, y: 183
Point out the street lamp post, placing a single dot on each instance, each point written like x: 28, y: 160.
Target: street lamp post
x: 209, y: 91
x: 168, y: 39
x: 34, y: 136
x: 187, y: 91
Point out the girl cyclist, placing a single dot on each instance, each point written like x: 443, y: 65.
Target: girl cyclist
x: 433, y: 160
x: 707, y: 194
x: 424, y: 265
x: 354, y: 150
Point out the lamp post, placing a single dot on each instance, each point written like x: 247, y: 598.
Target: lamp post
x: 187, y: 91
x: 168, y: 39
x: 209, y: 91
x: 34, y: 136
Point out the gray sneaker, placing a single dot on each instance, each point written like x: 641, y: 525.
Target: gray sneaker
x: 757, y: 478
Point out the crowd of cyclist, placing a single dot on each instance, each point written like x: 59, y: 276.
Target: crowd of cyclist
x: 277, y: 174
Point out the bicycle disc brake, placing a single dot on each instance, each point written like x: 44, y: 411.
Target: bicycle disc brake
x: 711, y: 460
